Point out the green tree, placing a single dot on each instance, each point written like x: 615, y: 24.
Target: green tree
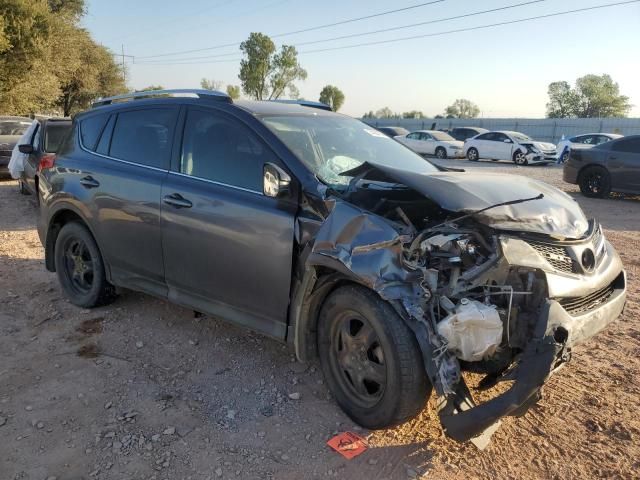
x: 265, y: 74
x: 332, y: 96
x: 592, y: 96
x: 211, y: 84
x: 563, y: 101
x: 386, y: 112
x: 413, y: 114
x: 462, y: 108
x: 599, y: 96
x: 369, y: 114
x: 96, y: 74
x: 233, y: 91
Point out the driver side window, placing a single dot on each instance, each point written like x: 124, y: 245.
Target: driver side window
x: 223, y: 150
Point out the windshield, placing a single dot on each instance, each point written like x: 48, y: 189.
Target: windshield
x: 331, y: 145
x: 521, y: 137
x: 442, y: 136
x: 13, y: 127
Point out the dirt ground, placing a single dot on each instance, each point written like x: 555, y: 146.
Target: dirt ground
x: 142, y: 389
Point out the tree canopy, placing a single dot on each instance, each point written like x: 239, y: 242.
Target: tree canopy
x: 265, y: 74
x: 332, y: 96
x: 462, y: 108
x: 592, y: 96
x: 49, y: 63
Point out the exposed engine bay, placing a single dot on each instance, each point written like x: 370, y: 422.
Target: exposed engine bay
x: 478, y: 298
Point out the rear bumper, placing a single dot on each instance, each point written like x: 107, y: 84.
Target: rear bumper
x: 555, y: 333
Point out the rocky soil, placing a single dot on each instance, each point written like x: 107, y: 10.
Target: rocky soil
x: 142, y: 389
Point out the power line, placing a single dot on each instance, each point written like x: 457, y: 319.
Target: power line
x: 384, y: 30
x: 448, y: 32
x: 469, y: 29
x: 342, y: 22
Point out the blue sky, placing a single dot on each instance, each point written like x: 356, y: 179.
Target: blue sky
x: 505, y: 69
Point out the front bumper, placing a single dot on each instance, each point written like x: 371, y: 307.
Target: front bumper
x: 547, y: 350
x: 541, y: 157
x: 591, y: 302
x: 455, y: 153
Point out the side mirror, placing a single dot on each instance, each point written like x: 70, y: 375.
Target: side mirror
x: 275, y: 181
x: 26, y: 148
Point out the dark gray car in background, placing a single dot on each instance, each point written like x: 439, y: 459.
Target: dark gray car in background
x: 46, y: 139
x: 11, y: 129
x: 320, y: 231
x: 608, y: 167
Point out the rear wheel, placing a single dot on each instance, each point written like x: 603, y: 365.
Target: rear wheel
x: 80, y: 267
x: 441, y: 153
x: 472, y: 154
x: 595, y: 182
x: 370, y: 359
x: 520, y: 158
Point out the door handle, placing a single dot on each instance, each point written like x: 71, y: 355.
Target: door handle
x: 176, y: 200
x: 89, y: 182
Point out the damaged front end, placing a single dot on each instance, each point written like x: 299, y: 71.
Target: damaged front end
x: 480, y: 294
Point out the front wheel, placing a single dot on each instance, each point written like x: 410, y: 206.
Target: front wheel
x: 80, y: 267
x: 472, y: 154
x: 595, y: 182
x: 441, y: 153
x: 370, y: 359
x: 520, y: 158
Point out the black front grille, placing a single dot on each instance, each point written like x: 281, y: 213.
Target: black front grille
x: 556, y: 255
x: 578, y: 305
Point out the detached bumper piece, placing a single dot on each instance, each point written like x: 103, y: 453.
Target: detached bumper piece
x: 555, y: 332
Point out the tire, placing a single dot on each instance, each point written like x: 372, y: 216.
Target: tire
x: 441, y: 153
x: 370, y: 359
x: 565, y: 157
x: 595, y: 182
x: 520, y: 158
x: 80, y: 267
x: 472, y: 154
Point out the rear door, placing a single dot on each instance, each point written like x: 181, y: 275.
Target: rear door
x: 623, y: 163
x: 130, y: 151
x: 228, y: 248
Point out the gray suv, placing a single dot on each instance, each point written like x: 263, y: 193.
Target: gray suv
x: 320, y: 231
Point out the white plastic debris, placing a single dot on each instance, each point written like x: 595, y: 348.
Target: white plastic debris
x: 473, y: 332
x: 16, y: 164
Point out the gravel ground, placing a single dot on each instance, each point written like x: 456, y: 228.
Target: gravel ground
x: 142, y: 389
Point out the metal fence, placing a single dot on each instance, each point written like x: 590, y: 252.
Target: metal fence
x: 543, y: 129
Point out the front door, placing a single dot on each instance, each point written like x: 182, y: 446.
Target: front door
x: 502, y: 146
x: 228, y: 248
x: 623, y: 163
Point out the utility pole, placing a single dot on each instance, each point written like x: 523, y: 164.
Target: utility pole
x: 124, y: 71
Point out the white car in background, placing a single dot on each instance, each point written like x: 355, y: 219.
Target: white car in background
x: 507, y: 145
x: 432, y: 142
x: 588, y: 140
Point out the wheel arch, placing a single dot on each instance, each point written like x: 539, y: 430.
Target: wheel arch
x: 309, y: 295
x: 63, y: 215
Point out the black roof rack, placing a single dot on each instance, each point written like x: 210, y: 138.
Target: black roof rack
x: 213, y: 94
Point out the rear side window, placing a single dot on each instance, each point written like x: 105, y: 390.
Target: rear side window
x: 144, y: 136
x: 54, y: 134
x: 486, y: 136
x: 105, y: 139
x: 91, y: 128
x: 221, y: 149
x: 629, y: 145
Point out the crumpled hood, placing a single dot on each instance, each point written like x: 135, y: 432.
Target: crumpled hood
x: 557, y: 214
x: 541, y: 145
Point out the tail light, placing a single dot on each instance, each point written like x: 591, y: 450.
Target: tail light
x: 47, y: 161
